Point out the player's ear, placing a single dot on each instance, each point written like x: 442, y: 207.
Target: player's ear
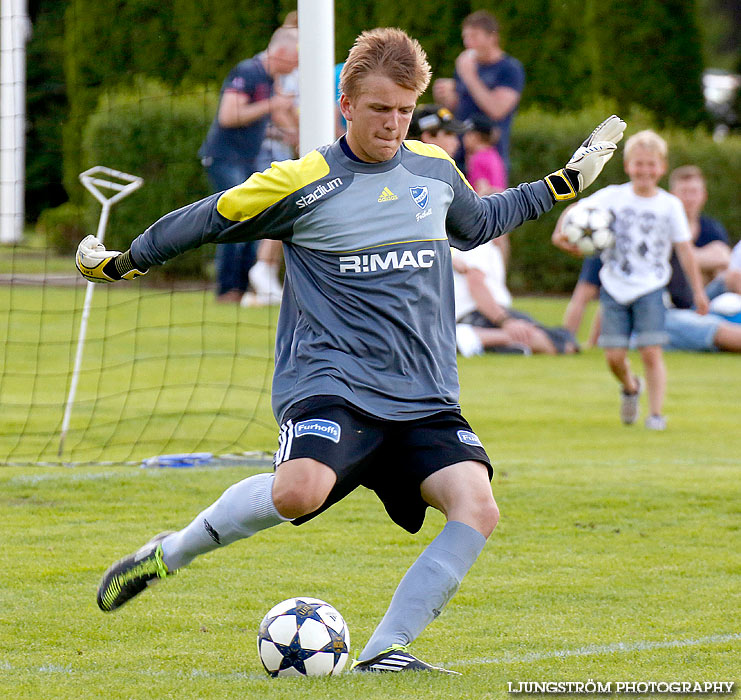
x: 345, y: 107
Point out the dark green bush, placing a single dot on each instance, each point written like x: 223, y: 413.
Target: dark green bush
x: 150, y: 132
x: 542, y: 142
x: 62, y: 227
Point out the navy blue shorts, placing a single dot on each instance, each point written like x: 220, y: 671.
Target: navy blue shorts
x: 390, y: 457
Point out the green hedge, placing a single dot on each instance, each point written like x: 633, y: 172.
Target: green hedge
x: 646, y: 52
x: 150, y: 132
x: 543, y: 142
x: 62, y: 228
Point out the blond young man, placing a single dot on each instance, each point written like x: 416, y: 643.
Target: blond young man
x: 649, y: 223
x: 365, y: 386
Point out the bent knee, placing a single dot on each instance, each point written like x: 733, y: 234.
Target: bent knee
x: 292, y: 501
x: 483, y: 516
x: 300, y: 489
x: 489, y: 517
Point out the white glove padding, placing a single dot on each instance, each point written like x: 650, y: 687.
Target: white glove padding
x: 97, y: 264
x: 588, y: 160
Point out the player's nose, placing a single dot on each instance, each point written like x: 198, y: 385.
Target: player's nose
x: 393, y: 119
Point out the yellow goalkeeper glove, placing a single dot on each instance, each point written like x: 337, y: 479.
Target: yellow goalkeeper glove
x: 587, y: 161
x: 96, y: 264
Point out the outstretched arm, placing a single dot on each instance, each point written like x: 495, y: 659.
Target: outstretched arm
x: 246, y: 212
x: 472, y: 220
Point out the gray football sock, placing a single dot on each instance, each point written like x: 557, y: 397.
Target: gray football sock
x: 242, y: 510
x: 426, y: 587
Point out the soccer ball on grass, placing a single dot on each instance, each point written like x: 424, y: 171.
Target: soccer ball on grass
x: 303, y: 637
x: 589, y: 228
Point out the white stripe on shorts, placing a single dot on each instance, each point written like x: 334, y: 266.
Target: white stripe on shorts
x: 285, y: 441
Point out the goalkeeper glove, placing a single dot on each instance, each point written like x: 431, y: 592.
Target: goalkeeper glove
x: 96, y: 264
x: 588, y: 160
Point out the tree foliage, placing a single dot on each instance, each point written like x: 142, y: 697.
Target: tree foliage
x: 635, y: 52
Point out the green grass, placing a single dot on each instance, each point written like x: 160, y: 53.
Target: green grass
x: 616, y: 558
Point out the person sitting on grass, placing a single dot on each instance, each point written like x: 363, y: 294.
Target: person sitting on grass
x: 485, y: 319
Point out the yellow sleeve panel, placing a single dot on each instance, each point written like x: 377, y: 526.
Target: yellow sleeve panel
x: 433, y: 151
x: 262, y: 190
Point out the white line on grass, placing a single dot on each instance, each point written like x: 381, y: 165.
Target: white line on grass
x: 595, y: 650
x: 591, y: 650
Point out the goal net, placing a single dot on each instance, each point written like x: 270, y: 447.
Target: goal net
x: 165, y: 369
x: 156, y: 366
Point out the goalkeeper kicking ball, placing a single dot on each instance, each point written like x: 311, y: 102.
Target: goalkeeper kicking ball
x: 303, y: 637
x: 589, y: 228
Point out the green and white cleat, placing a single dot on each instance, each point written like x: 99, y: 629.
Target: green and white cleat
x: 131, y: 575
x: 396, y: 658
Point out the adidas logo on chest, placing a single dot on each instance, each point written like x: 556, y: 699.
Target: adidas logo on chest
x: 387, y: 195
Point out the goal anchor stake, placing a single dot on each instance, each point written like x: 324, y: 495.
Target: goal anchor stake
x: 122, y: 185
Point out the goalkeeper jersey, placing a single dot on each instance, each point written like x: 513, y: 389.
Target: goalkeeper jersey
x: 368, y: 309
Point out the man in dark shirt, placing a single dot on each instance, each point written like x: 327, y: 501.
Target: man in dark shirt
x: 488, y: 82
x: 229, y: 153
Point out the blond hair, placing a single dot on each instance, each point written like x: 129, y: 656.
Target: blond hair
x: 684, y: 173
x: 647, y: 139
x: 390, y: 52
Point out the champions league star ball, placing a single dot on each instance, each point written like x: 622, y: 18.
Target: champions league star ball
x: 589, y: 228
x: 303, y: 637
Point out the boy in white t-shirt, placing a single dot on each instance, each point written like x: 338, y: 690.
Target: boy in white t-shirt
x: 648, y: 222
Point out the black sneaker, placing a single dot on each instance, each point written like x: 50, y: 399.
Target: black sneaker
x: 131, y: 575
x: 396, y: 658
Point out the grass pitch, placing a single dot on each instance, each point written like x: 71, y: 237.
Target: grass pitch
x: 616, y: 558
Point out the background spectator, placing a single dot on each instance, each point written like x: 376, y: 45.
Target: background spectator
x: 232, y: 146
x: 711, y: 249
x: 432, y: 123
x: 649, y: 223
x: 487, y: 81
x: 485, y: 319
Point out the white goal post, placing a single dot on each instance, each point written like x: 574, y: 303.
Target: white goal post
x: 316, y: 74
x: 14, y: 33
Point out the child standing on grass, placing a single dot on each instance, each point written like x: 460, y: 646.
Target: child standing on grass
x: 648, y: 222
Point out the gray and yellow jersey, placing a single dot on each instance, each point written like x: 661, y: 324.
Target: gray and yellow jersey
x: 368, y: 307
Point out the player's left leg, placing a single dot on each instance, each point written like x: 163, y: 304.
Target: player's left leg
x: 649, y: 331
x: 462, y: 492
x: 242, y: 510
x: 653, y: 361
